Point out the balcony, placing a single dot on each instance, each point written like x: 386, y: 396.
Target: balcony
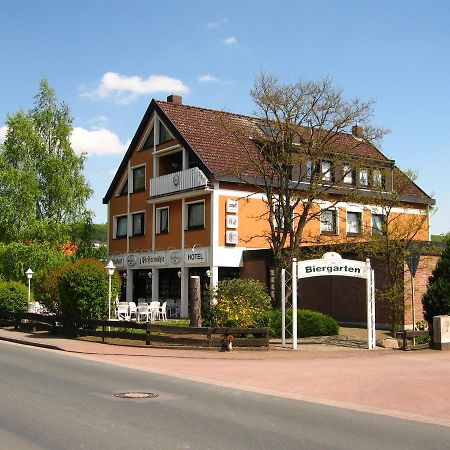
x: 183, y: 180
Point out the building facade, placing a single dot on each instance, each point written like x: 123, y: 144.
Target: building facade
x: 175, y: 209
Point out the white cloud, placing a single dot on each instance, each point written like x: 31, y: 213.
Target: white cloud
x: 125, y: 89
x: 97, y: 122
x: 99, y: 142
x: 207, y: 79
x: 230, y: 41
x: 3, y: 131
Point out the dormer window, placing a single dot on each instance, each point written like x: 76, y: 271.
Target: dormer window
x: 363, y: 177
x: 349, y: 174
x: 377, y: 178
x: 124, y: 190
x: 164, y: 135
x: 326, y: 168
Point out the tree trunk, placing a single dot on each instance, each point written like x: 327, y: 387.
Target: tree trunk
x: 196, y: 303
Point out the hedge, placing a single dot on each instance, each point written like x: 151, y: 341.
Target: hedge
x: 13, y: 296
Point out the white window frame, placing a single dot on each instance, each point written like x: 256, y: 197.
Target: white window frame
x: 132, y: 223
x: 158, y: 220
x: 322, y: 225
x: 147, y: 134
x: 122, y: 185
x: 361, y: 224
x: 115, y: 220
x: 348, y: 171
x: 383, y: 217
x: 186, y: 212
x: 132, y: 169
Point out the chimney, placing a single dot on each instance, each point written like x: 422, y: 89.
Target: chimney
x: 358, y: 131
x: 177, y: 99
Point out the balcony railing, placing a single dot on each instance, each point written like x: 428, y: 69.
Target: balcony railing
x: 177, y: 182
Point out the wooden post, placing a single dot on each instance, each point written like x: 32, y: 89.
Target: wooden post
x: 148, y: 334
x: 196, y: 303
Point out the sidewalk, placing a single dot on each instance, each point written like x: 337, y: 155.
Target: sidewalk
x: 412, y: 385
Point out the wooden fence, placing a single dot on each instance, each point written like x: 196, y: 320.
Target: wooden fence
x: 128, y: 330
x: 408, y: 336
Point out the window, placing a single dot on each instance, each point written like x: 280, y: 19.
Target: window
x: 378, y: 224
x: 150, y: 140
x: 164, y: 135
x: 195, y: 215
x: 124, y: 190
x: 328, y: 222
x: 377, y: 178
x: 363, y: 177
x: 309, y: 170
x: 349, y: 174
x: 139, y: 179
x: 138, y: 224
x: 278, y: 217
x: 326, y: 169
x: 121, y: 226
x: 354, y: 223
x: 162, y: 220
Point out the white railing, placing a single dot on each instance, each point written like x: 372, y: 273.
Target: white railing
x: 177, y: 182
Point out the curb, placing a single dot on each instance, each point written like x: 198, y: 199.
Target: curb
x: 31, y: 344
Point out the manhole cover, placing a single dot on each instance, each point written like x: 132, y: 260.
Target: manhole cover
x: 136, y: 395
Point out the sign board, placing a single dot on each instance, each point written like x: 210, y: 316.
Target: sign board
x: 232, y: 221
x: 232, y: 206
x: 332, y: 264
x: 152, y: 259
x: 412, y: 261
x: 231, y: 237
x: 196, y: 256
x: 117, y: 260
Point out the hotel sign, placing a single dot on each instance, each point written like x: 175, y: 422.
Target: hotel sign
x: 196, y: 256
x: 332, y: 264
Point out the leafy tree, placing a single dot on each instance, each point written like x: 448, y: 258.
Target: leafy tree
x: 13, y: 296
x: 43, y: 193
x: 436, y: 300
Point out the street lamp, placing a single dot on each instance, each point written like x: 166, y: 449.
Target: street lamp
x: 29, y: 273
x: 110, y: 268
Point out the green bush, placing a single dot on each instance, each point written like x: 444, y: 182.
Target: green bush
x: 235, y: 303
x: 436, y: 300
x: 17, y: 257
x: 13, y: 296
x: 46, y: 289
x: 309, y: 323
x: 83, y: 289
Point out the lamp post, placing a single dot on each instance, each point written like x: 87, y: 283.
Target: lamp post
x: 29, y: 273
x: 110, y: 268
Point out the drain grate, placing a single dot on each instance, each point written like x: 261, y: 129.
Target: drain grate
x: 136, y: 395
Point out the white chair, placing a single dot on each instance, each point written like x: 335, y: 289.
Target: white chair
x: 122, y: 311
x: 163, y: 311
x: 173, y: 309
x: 142, y: 312
x: 132, y: 310
x: 154, y: 310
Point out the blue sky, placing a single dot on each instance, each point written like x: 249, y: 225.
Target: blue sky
x: 107, y: 59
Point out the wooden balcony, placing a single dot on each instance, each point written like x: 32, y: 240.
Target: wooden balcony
x: 181, y: 181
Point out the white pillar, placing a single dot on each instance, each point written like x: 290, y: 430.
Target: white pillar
x: 294, y: 304
x: 283, y: 307
x: 155, y: 285
x: 184, y: 313
x: 214, y: 279
x: 129, y: 285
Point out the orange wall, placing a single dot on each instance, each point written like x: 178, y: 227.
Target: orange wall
x: 173, y: 237
x: 200, y: 237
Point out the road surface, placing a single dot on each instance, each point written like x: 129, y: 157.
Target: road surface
x: 51, y: 400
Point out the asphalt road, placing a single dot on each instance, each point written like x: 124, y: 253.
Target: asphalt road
x: 51, y: 400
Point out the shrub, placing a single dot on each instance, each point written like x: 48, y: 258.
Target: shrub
x: 83, y: 289
x: 17, y: 257
x: 13, y: 296
x: 236, y: 303
x: 46, y: 289
x: 436, y: 300
x: 309, y: 323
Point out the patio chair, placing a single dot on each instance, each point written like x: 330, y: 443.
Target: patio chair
x: 163, y: 311
x: 132, y: 310
x: 154, y: 310
x: 142, y: 312
x: 122, y: 311
x: 173, y: 308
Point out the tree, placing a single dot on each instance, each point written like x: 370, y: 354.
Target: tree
x: 43, y: 193
x: 302, y: 142
x: 436, y: 300
x: 392, y: 238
